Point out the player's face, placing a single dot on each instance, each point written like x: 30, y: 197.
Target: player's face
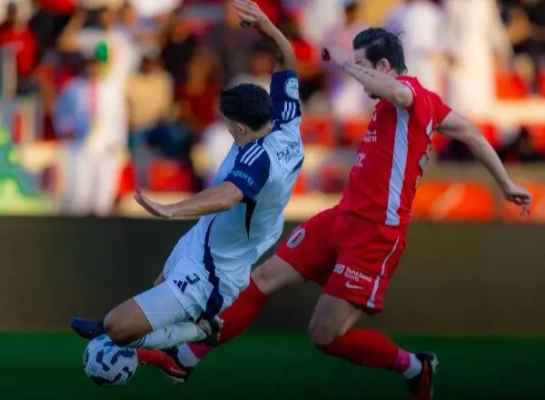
x: 360, y: 58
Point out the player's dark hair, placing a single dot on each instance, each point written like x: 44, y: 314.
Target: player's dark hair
x: 379, y: 44
x: 248, y: 104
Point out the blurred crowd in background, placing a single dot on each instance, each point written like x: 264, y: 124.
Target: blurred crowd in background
x: 102, y: 97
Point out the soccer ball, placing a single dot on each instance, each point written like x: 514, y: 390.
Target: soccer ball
x: 108, y: 364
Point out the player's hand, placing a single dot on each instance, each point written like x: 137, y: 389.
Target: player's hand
x: 518, y: 195
x: 159, y: 210
x: 250, y: 14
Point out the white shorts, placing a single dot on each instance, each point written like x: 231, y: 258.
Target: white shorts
x: 161, y: 307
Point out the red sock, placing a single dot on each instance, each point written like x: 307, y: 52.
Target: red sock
x: 236, y: 319
x: 367, y: 348
x: 241, y: 314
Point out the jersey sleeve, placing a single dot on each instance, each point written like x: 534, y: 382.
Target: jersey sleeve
x: 440, y: 108
x: 251, y: 170
x: 285, y: 96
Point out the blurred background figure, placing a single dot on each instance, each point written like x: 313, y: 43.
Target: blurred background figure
x: 526, y: 29
x: 346, y: 95
x: 148, y: 119
x: 74, y: 119
x: 17, y: 38
x: 161, y: 66
x: 476, y: 41
x: 421, y: 26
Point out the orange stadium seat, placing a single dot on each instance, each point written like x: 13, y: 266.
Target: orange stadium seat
x: 537, y: 133
x: 510, y: 86
x: 170, y: 176
x: 126, y: 182
x: 541, y: 79
x: 318, y: 130
x: 352, y: 130
x: 302, y: 184
x: 454, y: 201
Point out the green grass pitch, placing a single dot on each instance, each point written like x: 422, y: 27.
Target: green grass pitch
x: 269, y: 365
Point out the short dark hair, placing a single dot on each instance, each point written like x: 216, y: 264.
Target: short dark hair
x: 380, y: 43
x: 248, y: 104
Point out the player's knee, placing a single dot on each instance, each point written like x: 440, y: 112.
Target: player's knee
x: 322, y: 334
x: 116, y: 329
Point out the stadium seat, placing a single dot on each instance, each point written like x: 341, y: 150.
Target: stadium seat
x: 537, y: 133
x: 541, y: 80
x: 318, y: 130
x: 302, y: 184
x: 126, y: 182
x: 510, y: 86
x: 454, y: 201
x: 170, y: 176
x: 352, y: 131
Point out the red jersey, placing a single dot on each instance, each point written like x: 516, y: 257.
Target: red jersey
x: 391, y: 157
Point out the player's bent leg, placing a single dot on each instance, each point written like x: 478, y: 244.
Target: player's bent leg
x: 275, y: 274
x: 152, y: 319
x: 267, y: 279
x: 332, y: 317
x: 126, y: 323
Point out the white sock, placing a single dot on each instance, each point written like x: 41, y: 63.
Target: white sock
x: 415, y: 367
x: 171, y: 336
x: 187, y: 357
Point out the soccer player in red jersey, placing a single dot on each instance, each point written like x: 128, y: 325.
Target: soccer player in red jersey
x: 352, y: 250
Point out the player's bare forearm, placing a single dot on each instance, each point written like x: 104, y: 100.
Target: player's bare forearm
x: 209, y: 201
x: 375, y: 82
x: 380, y: 84
x: 252, y: 15
x: 458, y: 128
x: 283, y: 44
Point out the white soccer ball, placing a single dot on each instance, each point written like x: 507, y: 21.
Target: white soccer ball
x: 108, y: 364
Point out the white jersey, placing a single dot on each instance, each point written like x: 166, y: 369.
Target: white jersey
x: 222, y: 247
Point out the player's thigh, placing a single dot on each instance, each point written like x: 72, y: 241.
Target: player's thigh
x: 153, y: 309
x: 332, y: 317
x: 275, y: 274
x: 311, y: 248
x: 126, y: 323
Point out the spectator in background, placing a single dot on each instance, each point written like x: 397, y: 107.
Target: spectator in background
x: 420, y: 24
x: 261, y: 64
x: 346, y: 95
x: 48, y: 21
x: 150, y: 97
x: 197, y: 97
x: 521, y: 149
x: 475, y: 37
x: 319, y: 16
x: 231, y: 44
x: 178, y: 48
x: 106, y: 145
x: 74, y: 117
x: 526, y: 29
x: 17, y: 38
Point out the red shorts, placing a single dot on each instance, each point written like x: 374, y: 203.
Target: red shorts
x: 351, y: 258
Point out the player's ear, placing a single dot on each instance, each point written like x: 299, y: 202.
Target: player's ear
x: 243, y: 129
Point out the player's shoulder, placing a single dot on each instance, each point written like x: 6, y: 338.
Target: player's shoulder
x: 412, y: 83
x: 254, y: 154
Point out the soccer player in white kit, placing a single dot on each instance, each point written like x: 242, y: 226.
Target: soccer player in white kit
x: 240, y: 216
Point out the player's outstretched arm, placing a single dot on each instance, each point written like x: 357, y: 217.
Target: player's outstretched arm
x: 375, y: 82
x: 209, y: 201
x: 457, y: 127
x: 251, y: 15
